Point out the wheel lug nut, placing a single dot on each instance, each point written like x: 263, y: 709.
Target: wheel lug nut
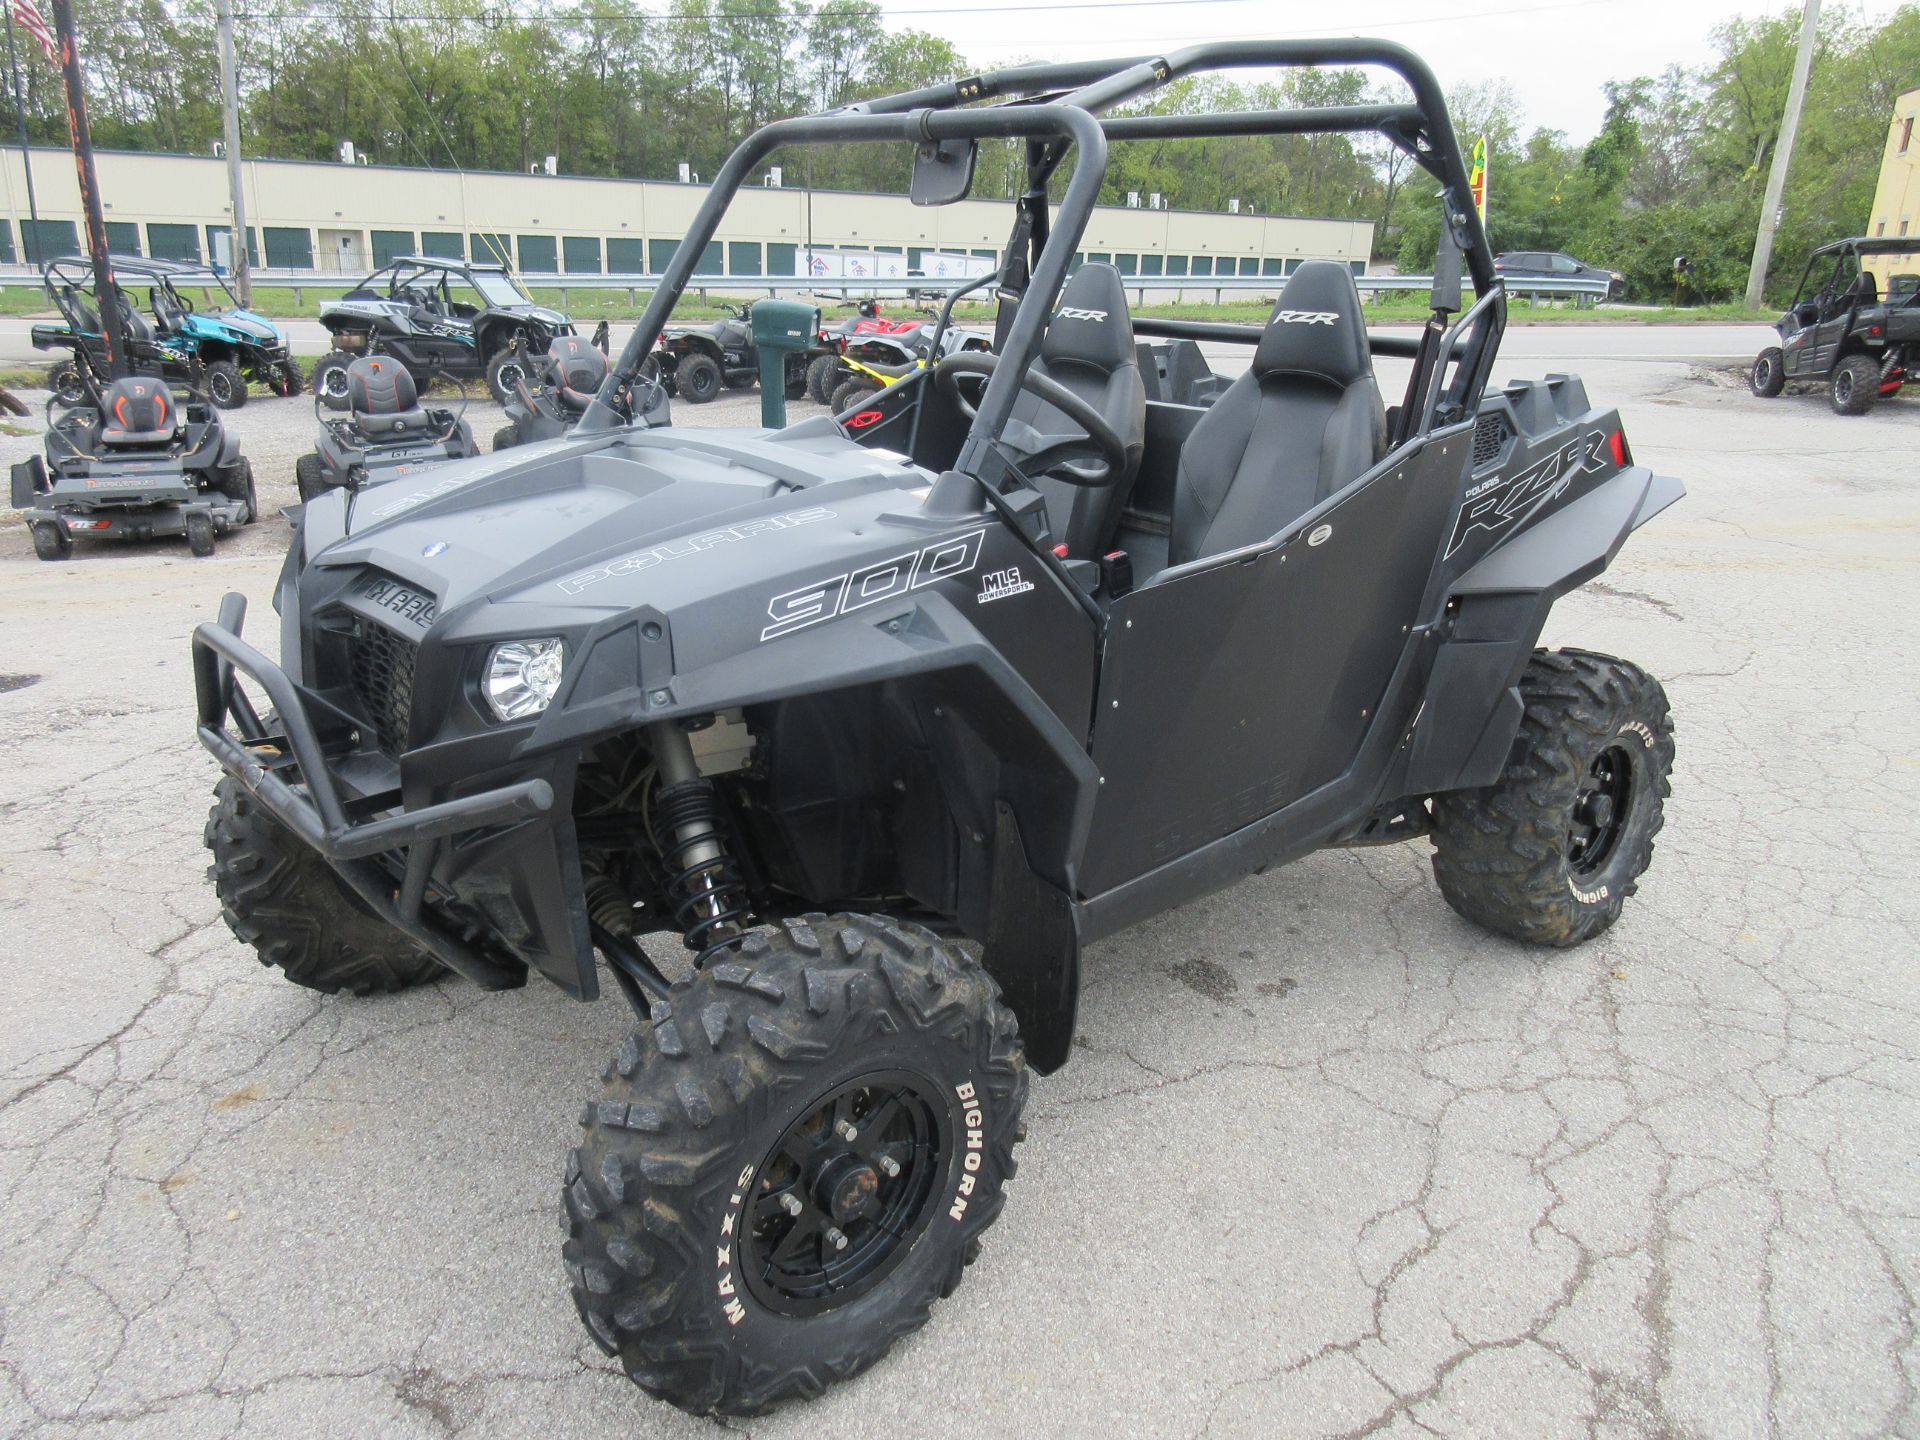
x: 835, y: 1238
x: 890, y: 1165
x: 844, y: 1129
x: 791, y: 1204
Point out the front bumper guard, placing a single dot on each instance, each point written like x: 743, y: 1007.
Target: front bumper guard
x: 312, y: 810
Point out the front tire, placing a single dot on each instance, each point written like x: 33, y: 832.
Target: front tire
x: 51, y: 540
x: 239, y: 485
x: 199, y: 530
x: 277, y: 895
x: 1855, y: 385
x: 1550, y: 852
x: 1768, y: 377
x: 226, y: 386
x: 697, y: 379
x: 64, y: 380
x: 507, y: 371
x: 330, y: 378
x: 851, y: 394
x: 505, y: 438
x: 287, y: 380
x: 793, y: 1162
x: 820, y: 378
x: 309, y: 477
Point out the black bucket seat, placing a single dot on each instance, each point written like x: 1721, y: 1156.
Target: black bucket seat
x: 576, y: 369
x: 385, y: 401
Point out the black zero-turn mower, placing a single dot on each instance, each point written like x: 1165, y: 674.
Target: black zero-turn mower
x: 137, y: 460
x: 384, y: 434
x: 570, y: 375
x: 1013, y: 655
x: 1841, y: 333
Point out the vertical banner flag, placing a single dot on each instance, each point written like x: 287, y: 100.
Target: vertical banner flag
x: 1477, y: 177
x: 35, y: 24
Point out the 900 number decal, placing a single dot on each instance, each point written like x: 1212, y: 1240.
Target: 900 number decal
x: 869, y: 585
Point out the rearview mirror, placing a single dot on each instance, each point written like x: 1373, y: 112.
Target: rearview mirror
x: 943, y: 171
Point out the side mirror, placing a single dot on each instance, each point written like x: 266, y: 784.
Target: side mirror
x: 943, y: 171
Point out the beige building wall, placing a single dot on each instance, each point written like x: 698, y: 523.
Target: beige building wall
x: 1896, y: 198
x: 338, y: 207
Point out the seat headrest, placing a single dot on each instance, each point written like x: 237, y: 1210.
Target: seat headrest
x: 577, y: 367
x: 1091, y: 323
x: 378, y: 385
x: 138, y: 408
x: 1316, y: 328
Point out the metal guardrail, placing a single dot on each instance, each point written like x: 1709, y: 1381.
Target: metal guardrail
x: 735, y: 286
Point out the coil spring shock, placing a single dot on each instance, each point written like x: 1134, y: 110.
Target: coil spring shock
x: 703, y: 882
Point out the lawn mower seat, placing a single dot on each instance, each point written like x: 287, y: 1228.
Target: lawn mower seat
x: 1303, y: 422
x: 138, y: 410
x: 576, y: 369
x: 1089, y: 349
x: 386, y: 406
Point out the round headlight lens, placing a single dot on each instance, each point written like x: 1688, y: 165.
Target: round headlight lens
x: 522, y: 677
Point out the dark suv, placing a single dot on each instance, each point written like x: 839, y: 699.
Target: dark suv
x: 1519, y: 266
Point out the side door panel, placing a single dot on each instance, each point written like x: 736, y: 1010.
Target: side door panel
x: 1233, y: 689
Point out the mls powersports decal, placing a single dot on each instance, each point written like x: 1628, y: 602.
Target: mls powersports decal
x: 869, y: 585
x: 1499, y: 501
x: 692, y: 545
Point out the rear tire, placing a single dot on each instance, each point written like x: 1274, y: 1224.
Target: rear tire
x: 199, y: 525
x: 1550, y: 851
x: 330, y: 378
x: 279, y: 896
x: 63, y: 379
x: 226, y: 386
x: 238, y: 485
x: 851, y: 394
x: 820, y: 378
x: 1855, y: 385
x: 287, y: 380
x: 1768, y: 377
x: 51, y: 540
x: 762, y: 1056
x: 697, y: 379
x: 309, y: 478
x: 505, y: 438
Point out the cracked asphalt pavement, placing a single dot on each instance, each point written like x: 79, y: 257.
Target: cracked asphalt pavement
x: 1327, y: 1160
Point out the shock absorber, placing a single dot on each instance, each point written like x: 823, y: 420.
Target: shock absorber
x: 709, y: 900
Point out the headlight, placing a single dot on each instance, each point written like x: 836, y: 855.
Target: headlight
x: 522, y: 676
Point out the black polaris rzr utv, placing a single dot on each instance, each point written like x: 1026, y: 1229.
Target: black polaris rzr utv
x: 1841, y: 333
x: 137, y: 459
x: 420, y: 310
x: 385, y: 434
x: 889, y: 719
x: 217, y: 350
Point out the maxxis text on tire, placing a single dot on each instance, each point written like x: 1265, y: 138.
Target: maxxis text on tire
x: 1855, y: 385
x: 697, y: 379
x: 1523, y: 856
x: 1768, y: 377
x: 279, y: 896
x: 670, y: 1197
x: 226, y: 386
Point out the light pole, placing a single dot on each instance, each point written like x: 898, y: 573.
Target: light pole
x: 1782, y: 156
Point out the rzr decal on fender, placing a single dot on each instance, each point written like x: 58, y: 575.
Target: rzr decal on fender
x: 869, y: 585
x: 1499, y: 501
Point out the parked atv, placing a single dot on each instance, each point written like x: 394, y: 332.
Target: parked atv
x: 1841, y: 334
x: 694, y: 362
x: 137, y: 461
x: 385, y: 434
x: 570, y: 375
x: 1011, y: 656
x: 411, y: 310
x: 82, y: 375
x: 868, y: 343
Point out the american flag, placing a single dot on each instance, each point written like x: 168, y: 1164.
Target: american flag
x: 35, y: 24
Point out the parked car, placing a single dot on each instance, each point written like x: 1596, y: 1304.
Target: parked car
x: 1523, y: 265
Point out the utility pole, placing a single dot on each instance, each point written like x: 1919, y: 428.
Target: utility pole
x: 230, y: 105
x: 31, y: 249
x: 1782, y: 156
x: 105, y: 290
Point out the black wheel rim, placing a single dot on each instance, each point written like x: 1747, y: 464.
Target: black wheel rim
x: 1600, y: 809
x: 509, y: 376
x: 333, y: 382
x: 221, y: 388
x: 1762, y: 372
x: 828, y: 1220
x: 1843, y: 386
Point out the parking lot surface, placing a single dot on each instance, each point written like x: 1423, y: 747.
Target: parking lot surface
x: 1327, y: 1160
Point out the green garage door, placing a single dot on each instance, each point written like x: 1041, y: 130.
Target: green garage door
x: 660, y: 255
x: 743, y: 257
x: 389, y: 245
x: 51, y: 240
x: 491, y: 249
x: 213, y: 244
x: 442, y: 244
x: 1176, y: 264
x: 288, y: 249
x: 626, y: 255
x: 173, y: 242
x: 539, y: 254
x: 582, y: 254
x: 782, y: 259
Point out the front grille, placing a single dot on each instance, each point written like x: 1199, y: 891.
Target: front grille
x: 1489, y: 438
x: 381, y: 665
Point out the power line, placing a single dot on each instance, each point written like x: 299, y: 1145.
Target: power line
x: 1351, y: 28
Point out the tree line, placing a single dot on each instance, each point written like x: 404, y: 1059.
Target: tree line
x: 1678, y: 166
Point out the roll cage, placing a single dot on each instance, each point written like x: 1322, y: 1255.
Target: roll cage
x: 76, y: 271
x: 406, y: 272
x: 1058, y: 109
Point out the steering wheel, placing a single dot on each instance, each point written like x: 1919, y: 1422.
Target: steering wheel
x: 1101, y: 444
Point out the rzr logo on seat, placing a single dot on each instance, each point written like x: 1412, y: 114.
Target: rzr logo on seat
x: 811, y: 604
x: 1078, y: 312
x: 1304, y: 317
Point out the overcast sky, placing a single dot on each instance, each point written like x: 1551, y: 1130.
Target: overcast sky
x: 1556, y: 54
